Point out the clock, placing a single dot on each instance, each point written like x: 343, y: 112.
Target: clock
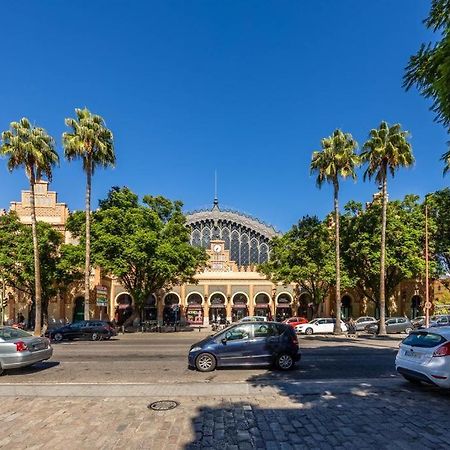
x: 217, y: 248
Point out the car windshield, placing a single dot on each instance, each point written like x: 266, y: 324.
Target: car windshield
x: 313, y: 321
x: 8, y: 334
x: 424, y: 339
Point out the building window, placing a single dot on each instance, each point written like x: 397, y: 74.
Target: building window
x: 254, y: 253
x: 245, y: 251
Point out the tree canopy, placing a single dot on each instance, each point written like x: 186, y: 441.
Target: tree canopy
x: 145, y: 245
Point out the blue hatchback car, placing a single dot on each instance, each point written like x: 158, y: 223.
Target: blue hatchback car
x: 247, y: 344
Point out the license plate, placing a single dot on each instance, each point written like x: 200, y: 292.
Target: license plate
x: 412, y: 355
x: 39, y: 346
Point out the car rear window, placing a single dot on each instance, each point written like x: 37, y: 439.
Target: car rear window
x: 424, y: 339
x: 8, y: 334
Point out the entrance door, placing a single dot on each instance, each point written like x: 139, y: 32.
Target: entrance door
x: 78, y: 311
x: 217, y: 315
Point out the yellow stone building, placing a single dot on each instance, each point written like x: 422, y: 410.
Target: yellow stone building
x: 227, y: 290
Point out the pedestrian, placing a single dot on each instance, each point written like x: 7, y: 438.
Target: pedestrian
x: 351, y: 327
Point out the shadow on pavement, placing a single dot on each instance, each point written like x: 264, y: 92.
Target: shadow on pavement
x: 35, y: 368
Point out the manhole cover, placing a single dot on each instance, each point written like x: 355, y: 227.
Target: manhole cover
x: 163, y: 405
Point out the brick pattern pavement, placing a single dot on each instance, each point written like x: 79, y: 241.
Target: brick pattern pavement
x: 416, y: 418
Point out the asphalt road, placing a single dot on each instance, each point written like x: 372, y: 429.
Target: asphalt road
x: 162, y: 358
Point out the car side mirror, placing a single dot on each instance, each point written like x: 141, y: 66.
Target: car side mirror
x: 224, y: 341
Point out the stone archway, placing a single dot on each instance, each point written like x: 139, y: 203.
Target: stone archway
x: 124, y: 308
x: 217, y: 309
x: 240, y: 306
x: 262, y: 305
x: 284, y: 306
x: 194, y: 308
x: 78, y: 309
x: 346, y: 306
x: 171, y: 312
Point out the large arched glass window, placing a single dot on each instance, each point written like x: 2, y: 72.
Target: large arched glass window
x: 216, y: 232
x: 245, y: 251
x: 196, y: 238
x: 206, y: 237
x: 234, y: 254
x: 226, y: 238
x: 263, y: 253
x: 254, y: 253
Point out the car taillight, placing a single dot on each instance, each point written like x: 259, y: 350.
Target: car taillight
x: 443, y: 350
x: 21, y: 346
x: 295, y: 340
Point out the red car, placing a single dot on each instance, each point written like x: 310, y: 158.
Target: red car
x: 294, y: 321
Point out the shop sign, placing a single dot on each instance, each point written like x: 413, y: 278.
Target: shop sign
x: 101, y: 295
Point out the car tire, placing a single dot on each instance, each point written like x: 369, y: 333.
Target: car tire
x: 309, y: 331
x: 284, y: 361
x: 58, y: 337
x: 205, y: 362
x: 408, y: 330
x: 96, y: 336
x: 1, y: 370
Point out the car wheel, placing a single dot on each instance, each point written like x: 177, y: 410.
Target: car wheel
x: 285, y: 361
x: 96, y: 336
x: 1, y: 370
x: 309, y: 331
x: 205, y: 362
x: 58, y: 337
x: 408, y: 330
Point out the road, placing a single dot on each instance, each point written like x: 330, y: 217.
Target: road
x: 162, y: 358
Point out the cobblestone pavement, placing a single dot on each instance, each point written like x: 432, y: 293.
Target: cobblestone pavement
x: 407, y: 418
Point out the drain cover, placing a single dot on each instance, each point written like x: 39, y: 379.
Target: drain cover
x: 163, y: 405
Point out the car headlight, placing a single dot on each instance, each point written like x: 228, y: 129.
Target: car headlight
x: 195, y: 349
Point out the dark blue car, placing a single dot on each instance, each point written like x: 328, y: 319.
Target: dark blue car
x: 247, y: 344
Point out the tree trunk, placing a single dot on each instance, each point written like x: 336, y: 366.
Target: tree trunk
x: 337, y: 325
x: 382, y: 329
x: 87, y: 270
x: 37, y: 262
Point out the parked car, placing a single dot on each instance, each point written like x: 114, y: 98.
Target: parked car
x: 94, y: 330
x: 440, y: 321
x: 247, y: 344
x: 294, y: 321
x: 20, y: 349
x: 319, y: 326
x: 418, y: 321
x: 425, y: 356
x: 362, y: 322
x: 393, y: 325
x: 254, y: 319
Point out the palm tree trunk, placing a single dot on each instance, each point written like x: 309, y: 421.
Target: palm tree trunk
x: 382, y: 329
x: 337, y: 325
x: 37, y: 262
x: 87, y: 271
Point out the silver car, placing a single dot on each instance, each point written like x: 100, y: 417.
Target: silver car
x: 20, y: 349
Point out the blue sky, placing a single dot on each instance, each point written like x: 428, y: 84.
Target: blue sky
x: 245, y: 87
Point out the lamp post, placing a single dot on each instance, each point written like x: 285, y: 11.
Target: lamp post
x: 427, y: 291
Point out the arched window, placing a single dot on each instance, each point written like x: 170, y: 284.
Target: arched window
x: 226, y: 238
x: 206, y: 237
x: 216, y: 232
x: 263, y: 253
x: 254, y: 253
x: 234, y: 248
x: 194, y: 299
x: 245, y: 251
x: 171, y: 299
x: 196, y: 238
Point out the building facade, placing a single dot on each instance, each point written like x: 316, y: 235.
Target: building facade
x: 227, y: 290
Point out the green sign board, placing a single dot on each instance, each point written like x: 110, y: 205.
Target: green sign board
x: 102, y: 295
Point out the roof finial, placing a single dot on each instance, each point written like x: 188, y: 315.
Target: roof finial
x: 216, y: 200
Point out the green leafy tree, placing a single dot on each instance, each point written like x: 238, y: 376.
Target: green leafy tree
x: 439, y: 212
x: 336, y: 160
x: 145, y: 245
x: 60, y: 263
x: 304, y: 256
x: 404, y: 258
x: 92, y: 142
x: 429, y: 68
x: 386, y: 150
x: 33, y: 149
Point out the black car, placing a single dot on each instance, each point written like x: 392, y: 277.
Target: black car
x: 247, y: 344
x: 94, y: 330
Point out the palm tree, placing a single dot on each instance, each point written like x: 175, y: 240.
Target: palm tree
x: 32, y: 148
x: 386, y: 150
x: 336, y: 159
x: 446, y: 159
x: 92, y: 142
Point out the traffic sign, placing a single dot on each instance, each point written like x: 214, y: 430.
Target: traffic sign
x: 428, y: 305
x: 101, y: 295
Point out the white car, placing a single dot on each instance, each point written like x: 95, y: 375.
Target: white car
x: 319, y: 326
x: 254, y: 319
x: 425, y: 356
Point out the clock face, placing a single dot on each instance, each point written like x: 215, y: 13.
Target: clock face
x: 217, y: 248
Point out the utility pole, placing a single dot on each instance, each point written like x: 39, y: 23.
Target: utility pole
x: 427, y: 290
